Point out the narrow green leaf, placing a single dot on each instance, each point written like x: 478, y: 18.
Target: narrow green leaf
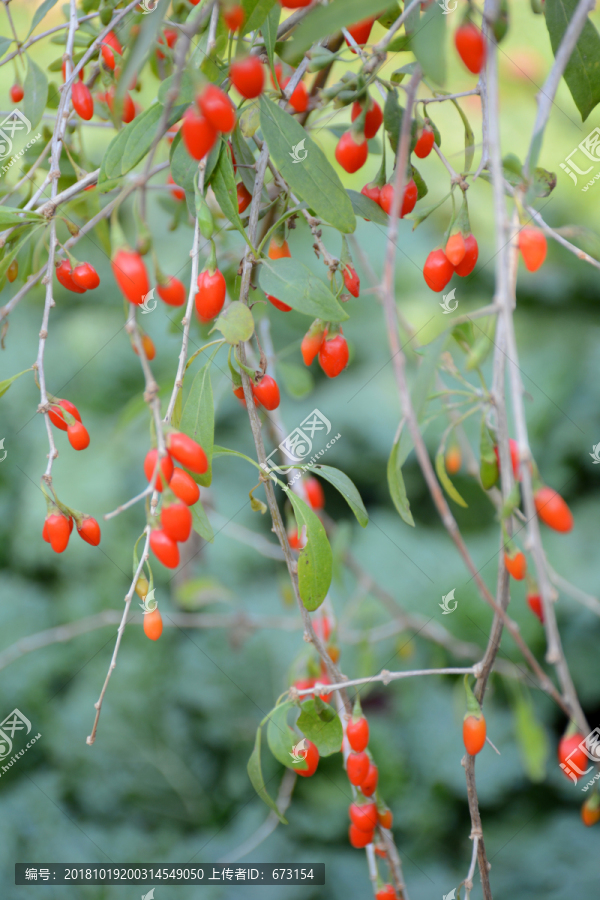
x: 4, y: 44
x: 392, y: 118
x: 327, y: 736
x: 236, y: 323
x: 255, y: 13
x: 315, y: 563
x: 12, y: 215
x: 4, y: 385
x: 201, y: 523
x: 368, y: 209
x: 36, y: 93
x: 532, y: 739
x: 269, y: 32
x: 293, y: 283
x: 428, y: 43
x: 329, y: 19
x: 176, y: 417
x: 12, y: 250
x: 440, y: 468
x: 282, y: 739
x: 397, y: 486
x: 40, y: 12
x: 142, y: 131
x: 198, y: 419
x: 313, y: 180
x: 297, y: 380
x: 244, y: 157
x: 256, y: 777
x: 347, y: 489
x: 143, y: 44
x: 582, y: 72
x: 184, y: 169
x: 224, y: 186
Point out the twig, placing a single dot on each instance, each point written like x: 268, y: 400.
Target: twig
x: 384, y: 677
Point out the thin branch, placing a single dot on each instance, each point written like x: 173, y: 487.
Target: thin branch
x: 384, y: 677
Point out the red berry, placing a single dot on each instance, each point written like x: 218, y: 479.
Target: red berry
x: 369, y: 784
x: 278, y: 303
x: 516, y: 565
x: 352, y: 281
x: 363, y: 816
x: 385, y: 818
x: 552, y: 509
x: 148, y: 345
x: 373, y: 119
x: 176, y: 521
x: 131, y: 276
x: 16, y: 93
x: 83, y: 102
x: 357, y: 767
x: 173, y: 292
x: 177, y: 193
x: 299, y: 99
x: 311, y: 759
x: 425, y: 142
x: 359, y: 838
x: 358, y: 734
x: 534, y: 602
x: 184, y: 486
x: 127, y: 109
x: 165, y: 549
x: 590, y: 812
x: 456, y: 249
x: 438, y: 270
x: 361, y: 32
x: 350, y: 154
x: 533, y: 247
x: 386, y: 893
x: 64, y: 275
x: 78, y: 436
x: 474, y: 734
x: 166, y: 467
x: 248, y: 77
x: 234, y: 17
x: 109, y: 43
x: 296, y: 541
x: 153, y: 625
x: 333, y: 355
x: 294, y: 4
x: 267, y: 392
x: 170, y: 38
x: 470, y: 43
x: 372, y: 191
x: 467, y: 265
x: 514, y: 457
x: 244, y: 197
x: 216, y: 106
x: 56, y: 415
x: 89, y: 530
x: 57, y: 528
x: 571, y: 756
x: 408, y: 201
x: 187, y: 451
x: 85, y: 276
x: 311, y: 344
x: 211, y: 294
x: 199, y: 135
x: 279, y: 250
x: 316, y: 498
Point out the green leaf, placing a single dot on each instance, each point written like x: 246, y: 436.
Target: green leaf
x: 397, y: 486
x: 198, y: 419
x: 428, y: 43
x: 36, y: 93
x: 282, y: 739
x: 348, y: 490
x: 176, y: 417
x: 187, y: 89
x: 367, y: 208
x: 143, y: 44
x: 329, y: 19
x: 201, y: 523
x: 256, y: 777
x: 315, y: 563
x: 40, y: 12
x: 293, y: 283
x: 184, y: 169
x: 4, y: 385
x: 133, y: 142
x: 440, y: 468
x: 236, y: 323
x: 12, y: 250
x: 532, y: 739
x: 225, y: 189
x: 255, y: 13
x: 314, y: 180
x: 297, y: 380
x: 269, y: 31
x: 244, y: 157
x: 12, y: 215
x: 4, y: 44
x: 326, y: 735
x: 392, y: 118
x: 582, y: 72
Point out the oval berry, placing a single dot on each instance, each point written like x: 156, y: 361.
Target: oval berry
x: 311, y: 759
x: 56, y: 415
x: 85, y: 276
x: 244, y: 197
x: 153, y: 625
x: 333, y: 355
x: 299, y: 98
x: 311, y: 344
x: 514, y: 457
x: 184, y: 486
x: 438, y: 270
x: 148, y: 345
x: 211, y: 294
x: 552, y: 509
x: 295, y: 4
x: 373, y: 118
x: 455, y: 249
x: 248, y: 77
x: 64, y: 275
x: 16, y: 93
x: 187, y: 451
x: 387, y: 892
x: 89, y: 530
x: 369, y: 784
x: 110, y: 42
x: 533, y: 247
x: 408, y: 201
x: 453, y: 460
x: 78, y: 436
x: 351, y: 155
x: 126, y: 109
x: 474, y: 734
x: 590, y: 812
x: 131, y: 276
x: 166, y: 467
x: 173, y: 292
x: 165, y: 549
x: 534, y: 601
x: 425, y: 142
x: 176, y: 521
x: 316, y: 498
x: 297, y: 541
x: 360, y: 31
x: 357, y: 767
x: 467, y: 265
x: 385, y: 818
x: 216, y: 106
x: 351, y: 281
x: 278, y: 304
x: 363, y: 816
x: 373, y: 192
x: 83, y: 102
x: 516, y: 565
x: 279, y: 250
x: 470, y: 43
x: 58, y: 531
x: 266, y: 392
x: 199, y: 136
x: 571, y: 756
x: 358, y: 734
x: 234, y: 17
x: 359, y: 838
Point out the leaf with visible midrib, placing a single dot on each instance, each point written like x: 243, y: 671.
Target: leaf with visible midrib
x: 315, y: 564
x: 282, y: 739
x: 348, y: 490
x: 397, y: 486
x: 327, y: 736
x: 582, y: 72
x: 293, y: 283
x: 314, y: 180
x: 256, y: 777
x: 36, y: 93
x: 367, y: 209
x: 428, y: 43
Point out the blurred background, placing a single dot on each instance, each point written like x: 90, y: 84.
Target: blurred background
x: 166, y: 779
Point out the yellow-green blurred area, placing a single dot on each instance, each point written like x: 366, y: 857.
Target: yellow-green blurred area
x: 165, y: 780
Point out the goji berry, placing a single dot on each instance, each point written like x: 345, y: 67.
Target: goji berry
x: 56, y: 415
x: 364, y: 816
x: 470, y: 43
x: 187, y: 451
x: 296, y: 541
x: 78, y: 436
x: 64, y: 275
x: 360, y: 31
x: 184, y: 486
x: 373, y: 192
x: 279, y: 250
x: 165, y: 549
x: 534, y: 602
x: 369, y: 782
x: 12, y: 271
x: 386, y: 893
x: 83, y: 102
x: 131, y: 276
x: 590, y: 811
x: 552, y: 509
x: 312, y: 342
x: 408, y: 201
x: 244, y: 197
x: 352, y: 281
x: 438, y: 270
x: 148, y: 345
x: 333, y: 355
x: 110, y: 42
x: 514, y: 457
x: 385, y: 818
x: 127, y: 109
x: 373, y: 118
x: 211, y: 294
x: 177, y: 192
x: 248, y: 77
x: 216, y: 106
x: 425, y: 142
x: 89, y: 530
x: 176, y: 521
x: 350, y: 153
x: 316, y: 498
x: 572, y: 756
x: 469, y: 259
x: 533, y: 247
x: 234, y: 17
x: 516, y: 564
x: 453, y: 459
x: 166, y: 467
x: 294, y: 4
x: 173, y: 292
x: 57, y: 529
x: 278, y: 304
x: 357, y: 733
x: 311, y: 759
x: 474, y: 730
x: 85, y: 276
x: 153, y: 624
x: 266, y: 392
x: 198, y: 134
x: 299, y: 97
x: 16, y: 93
x: 455, y: 248
x: 357, y: 767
